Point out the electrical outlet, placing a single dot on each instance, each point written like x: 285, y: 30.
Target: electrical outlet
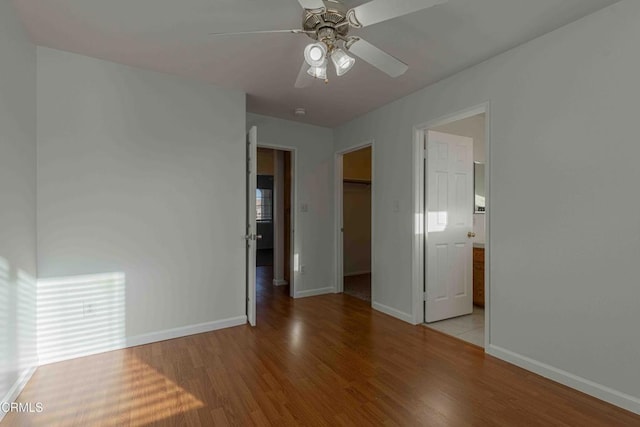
x: 88, y: 309
x: 303, y: 269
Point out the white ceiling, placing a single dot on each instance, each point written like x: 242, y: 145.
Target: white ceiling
x: 172, y: 36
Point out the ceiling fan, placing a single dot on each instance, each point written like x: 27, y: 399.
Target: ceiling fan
x: 328, y: 23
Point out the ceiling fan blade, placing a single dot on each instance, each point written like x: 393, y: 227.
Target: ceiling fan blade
x: 296, y: 31
x: 382, y: 10
x: 304, y: 79
x: 313, y: 5
x: 378, y: 58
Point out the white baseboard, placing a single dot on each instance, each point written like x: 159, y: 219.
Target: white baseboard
x: 17, y: 388
x: 357, y: 273
x: 584, y: 385
x: 279, y: 282
x: 313, y: 292
x: 184, y: 331
x: 393, y: 312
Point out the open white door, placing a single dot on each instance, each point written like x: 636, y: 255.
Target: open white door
x: 251, y: 237
x: 449, y: 244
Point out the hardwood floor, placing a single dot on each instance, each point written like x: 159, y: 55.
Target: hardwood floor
x: 327, y: 360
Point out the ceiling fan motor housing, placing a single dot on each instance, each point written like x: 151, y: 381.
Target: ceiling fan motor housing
x: 326, y: 26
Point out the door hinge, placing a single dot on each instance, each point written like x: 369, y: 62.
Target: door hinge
x: 426, y: 295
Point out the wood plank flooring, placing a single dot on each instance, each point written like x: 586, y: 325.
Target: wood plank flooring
x: 327, y: 361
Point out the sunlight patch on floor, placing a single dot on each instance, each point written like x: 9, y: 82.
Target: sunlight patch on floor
x: 122, y: 390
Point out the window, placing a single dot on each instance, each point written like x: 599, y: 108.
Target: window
x: 264, y: 205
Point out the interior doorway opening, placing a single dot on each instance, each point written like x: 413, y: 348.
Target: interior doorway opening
x: 355, y: 169
x: 274, y: 190
x: 454, y: 214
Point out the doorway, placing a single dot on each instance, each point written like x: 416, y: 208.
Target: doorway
x: 273, y: 220
x: 270, y: 206
x: 354, y: 206
x: 455, y: 247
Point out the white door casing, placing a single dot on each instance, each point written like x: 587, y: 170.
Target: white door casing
x: 449, y: 222
x: 251, y: 237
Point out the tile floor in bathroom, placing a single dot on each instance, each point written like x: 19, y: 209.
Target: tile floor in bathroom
x: 469, y: 328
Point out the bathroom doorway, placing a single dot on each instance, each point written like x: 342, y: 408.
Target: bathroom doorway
x: 457, y: 306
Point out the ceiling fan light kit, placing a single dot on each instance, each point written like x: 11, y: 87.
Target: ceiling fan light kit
x: 315, y: 54
x: 319, y: 72
x: 342, y: 61
x: 328, y: 23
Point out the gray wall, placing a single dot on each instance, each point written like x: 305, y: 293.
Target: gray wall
x: 565, y: 234
x: 134, y: 173
x: 17, y: 200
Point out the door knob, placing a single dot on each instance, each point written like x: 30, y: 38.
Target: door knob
x: 471, y: 234
x: 259, y: 236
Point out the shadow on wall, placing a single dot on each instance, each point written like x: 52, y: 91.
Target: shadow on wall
x: 80, y: 315
x: 26, y: 320
x: 18, y: 350
x: 5, y: 329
